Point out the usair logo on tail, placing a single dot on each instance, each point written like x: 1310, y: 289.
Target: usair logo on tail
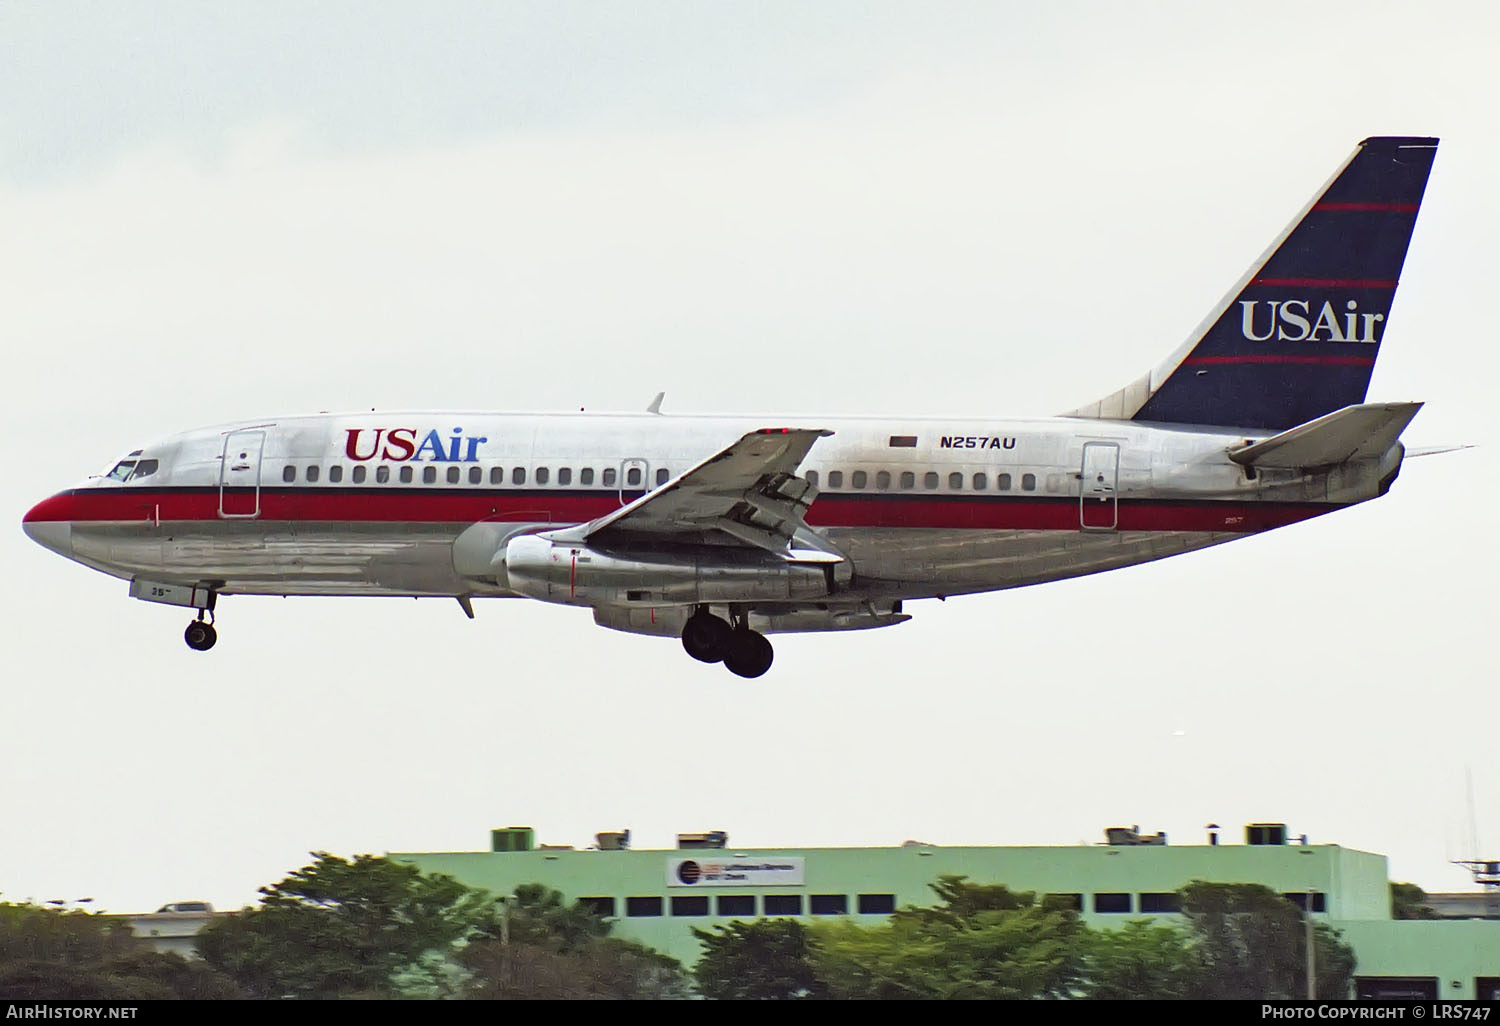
x: 1291, y: 320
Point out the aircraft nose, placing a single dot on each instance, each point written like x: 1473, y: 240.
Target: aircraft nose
x: 41, y: 527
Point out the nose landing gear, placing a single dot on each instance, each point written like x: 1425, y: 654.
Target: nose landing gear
x: 200, y: 634
x: 710, y: 639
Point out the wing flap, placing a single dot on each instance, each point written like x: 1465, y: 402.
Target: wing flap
x: 1355, y: 432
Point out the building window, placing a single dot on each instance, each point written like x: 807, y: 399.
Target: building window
x: 1002, y: 482
x: 497, y: 475
x: 476, y: 475
x: 783, y: 904
x: 829, y: 904
x: 1161, y: 902
x: 644, y: 906
x: 812, y: 478
x: 908, y: 479
x: 452, y: 475
x: 382, y: 474
x: 877, y: 904
x: 564, y: 475
x: 736, y: 904
x: 956, y: 481
x: 358, y: 476
x: 429, y: 475
x: 1028, y: 482
x: 289, y: 474
x: 662, y: 475
x: 835, y: 479
x: 518, y: 475
x: 860, y: 479
x: 1299, y: 898
x: 1111, y: 902
x: 601, y: 907
x: 1060, y: 902
x: 335, y: 474
x: 690, y: 904
x: 586, y: 476
x: 609, y: 477
x: 406, y: 473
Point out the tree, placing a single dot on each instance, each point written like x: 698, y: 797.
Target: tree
x: 341, y: 928
x: 556, y: 950
x: 45, y: 953
x: 981, y: 941
x: 1140, y: 960
x: 1251, y: 945
x: 768, y: 959
x: 1408, y: 901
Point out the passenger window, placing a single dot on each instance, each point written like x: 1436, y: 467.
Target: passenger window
x: 542, y: 474
x: 860, y: 478
x: 633, y: 476
x: 812, y: 478
x: 662, y: 475
x: 359, y: 474
x: 497, y: 475
x: 609, y: 477
x: 835, y: 479
x: 476, y: 476
x: 335, y: 473
x: 980, y: 482
x: 312, y: 473
x: 883, y: 479
x: 908, y: 479
x: 1028, y: 482
x: 518, y: 476
x: 1002, y: 482
x: 586, y: 476
x: 956, y: 482
x: 289, y: 474
x: 564, y: 475
x: 406, y: 474
x: 429, y: 475
x: 452, y: 475
x: 930, y: 479
x: 145, y: 468
x: 382, y: 474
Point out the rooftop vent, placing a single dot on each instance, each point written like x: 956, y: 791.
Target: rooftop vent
x: 613, y: 840
x: 711, y: 839
x: 1132, y: 835
x: 512, y: 839
x: 1265, y: 833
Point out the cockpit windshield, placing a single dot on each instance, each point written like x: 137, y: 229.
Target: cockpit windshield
x: 132, y: 468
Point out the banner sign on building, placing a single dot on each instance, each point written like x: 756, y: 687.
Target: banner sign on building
x: 717, y: 871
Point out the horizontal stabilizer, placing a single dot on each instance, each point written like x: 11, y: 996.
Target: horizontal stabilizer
x: 1355, y: 432
x: 1436, y: 450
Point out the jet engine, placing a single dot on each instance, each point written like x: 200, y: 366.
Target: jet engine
x: 579, y: 575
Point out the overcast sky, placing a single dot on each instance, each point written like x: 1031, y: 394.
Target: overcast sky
x: 236, y: 210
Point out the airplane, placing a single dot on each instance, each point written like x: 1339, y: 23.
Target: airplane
x: 721, y: 530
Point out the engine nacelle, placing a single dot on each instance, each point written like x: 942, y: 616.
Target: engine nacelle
x: 578, y: 575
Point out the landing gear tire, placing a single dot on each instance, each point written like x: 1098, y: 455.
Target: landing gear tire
x: 705, y: 637
x: 748, y: 654
x: 200, y: 636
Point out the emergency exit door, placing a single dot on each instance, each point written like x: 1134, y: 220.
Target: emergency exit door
x: 1098, y: 498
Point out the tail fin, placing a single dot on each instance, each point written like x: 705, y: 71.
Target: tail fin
x: 1297, y: 337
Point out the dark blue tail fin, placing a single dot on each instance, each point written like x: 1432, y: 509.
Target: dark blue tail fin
x: 1298, y: 336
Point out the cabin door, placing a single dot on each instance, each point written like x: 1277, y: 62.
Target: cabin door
x: 1098, y: 498
x: 239, y: 474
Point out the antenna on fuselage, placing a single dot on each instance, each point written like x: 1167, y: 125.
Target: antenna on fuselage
x: 655, y: 406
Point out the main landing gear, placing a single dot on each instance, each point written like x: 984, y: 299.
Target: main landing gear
x: 711, y: 639
x: 200, y: 634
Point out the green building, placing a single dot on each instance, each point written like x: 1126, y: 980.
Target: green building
x: 656, y: 897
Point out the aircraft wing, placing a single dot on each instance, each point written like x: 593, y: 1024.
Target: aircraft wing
x: 749, y: 492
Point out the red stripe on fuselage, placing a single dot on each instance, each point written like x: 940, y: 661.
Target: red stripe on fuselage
x: 1401, y: 208
x: 1327, y: 283
x: 833, y: 509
